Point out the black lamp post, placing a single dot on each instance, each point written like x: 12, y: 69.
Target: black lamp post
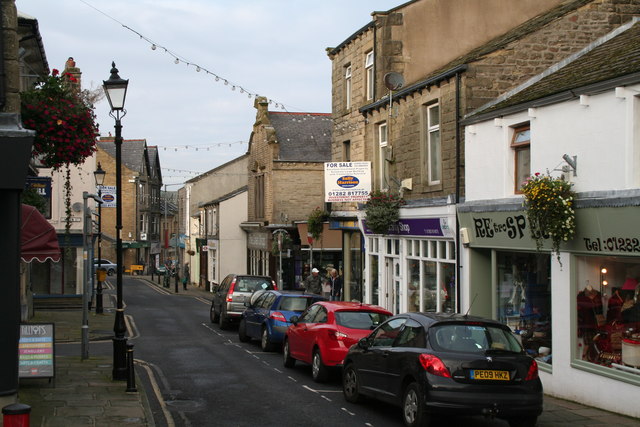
x: 99, y: 174
x: 116, y: 90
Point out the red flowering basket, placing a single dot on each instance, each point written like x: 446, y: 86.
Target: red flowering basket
x: 63, y: 119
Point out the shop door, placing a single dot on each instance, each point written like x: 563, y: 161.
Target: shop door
x: 391, y: 285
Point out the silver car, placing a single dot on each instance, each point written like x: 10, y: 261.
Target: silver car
x: 229, y: 297
x: 107, y: 265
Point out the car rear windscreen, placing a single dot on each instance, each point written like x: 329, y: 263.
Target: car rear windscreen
x: 472, y: 338
x: 359, y: 319
x: 298, y: 304
x: 250, y: 284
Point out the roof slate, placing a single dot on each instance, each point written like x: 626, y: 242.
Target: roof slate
x: 613, y: 56
x: 303, y: 137
x: 132, y: 152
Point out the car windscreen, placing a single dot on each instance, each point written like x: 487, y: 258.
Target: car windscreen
x: 298, y: 304
x: 252, y: 284
x: 360, y: 319
x: 473, y: 338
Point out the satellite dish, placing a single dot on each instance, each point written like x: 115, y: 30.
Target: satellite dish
x: 77, y: 207
x: 393, y: 80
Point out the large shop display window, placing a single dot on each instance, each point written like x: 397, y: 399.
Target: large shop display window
x: 524, y: 300
x: 608, y: 312
x: 432, y: 279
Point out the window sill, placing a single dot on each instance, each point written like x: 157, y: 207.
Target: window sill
x: 611, y: 373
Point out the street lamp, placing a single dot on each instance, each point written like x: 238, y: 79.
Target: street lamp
x: 99, y: 175
x: 116, y: 90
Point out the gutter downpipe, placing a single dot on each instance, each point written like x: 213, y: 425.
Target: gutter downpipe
x: 457, y: 197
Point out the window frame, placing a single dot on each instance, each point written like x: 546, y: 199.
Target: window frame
x: 431, y: 130
x: 369, y: 60
x: 382, y: 154
x: 347, y: 85
x: 518, y: 147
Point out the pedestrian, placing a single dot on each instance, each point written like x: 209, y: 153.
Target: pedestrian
x: 336, y: 285
x: 186, y: 276
x: 313, y: 282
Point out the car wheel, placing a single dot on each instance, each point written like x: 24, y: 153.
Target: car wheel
x: 350, y: 385
x: 242, y: 332
x: 111, y: 272
x: 213, y: 315
x: 523, y: 421
x: 223, y: 322
x: 319, y: 371
x: 265, y: 341
x: 289, y: 362
x: 414, y: 411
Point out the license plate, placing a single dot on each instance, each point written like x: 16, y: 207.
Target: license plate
x: 489, y: 375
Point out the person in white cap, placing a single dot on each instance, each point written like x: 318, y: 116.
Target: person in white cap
x: 313, y: 283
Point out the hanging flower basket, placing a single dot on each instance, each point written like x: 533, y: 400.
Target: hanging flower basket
x: 549, y: 203
x: 382, y: 210
x: 63, y: 119
x: 315, y: 222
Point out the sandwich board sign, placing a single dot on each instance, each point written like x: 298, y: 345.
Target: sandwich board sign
x: 36, y: 350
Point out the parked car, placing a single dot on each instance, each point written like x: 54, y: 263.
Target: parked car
x: 107, y: 265
x: 322, y: 334
x: 267, y: 316
x: 434, y: 364
x: 227, y: 304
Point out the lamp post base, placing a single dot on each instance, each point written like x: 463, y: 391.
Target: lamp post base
x: 119, y: 359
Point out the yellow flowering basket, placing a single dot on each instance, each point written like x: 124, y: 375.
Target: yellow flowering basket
x: 549, y: 203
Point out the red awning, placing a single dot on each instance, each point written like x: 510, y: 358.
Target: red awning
x: 38, y: 238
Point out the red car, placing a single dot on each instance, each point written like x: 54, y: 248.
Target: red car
x: 323, y: 333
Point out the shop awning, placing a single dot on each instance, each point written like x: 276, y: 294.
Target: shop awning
x: 38, y: 238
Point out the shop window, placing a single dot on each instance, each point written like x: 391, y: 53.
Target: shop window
x: 524, y: 300
x: 448, y: 281
x: 521, y: 146
x: 429, y: 285
x: 608, y: 312
x: 413, y: 294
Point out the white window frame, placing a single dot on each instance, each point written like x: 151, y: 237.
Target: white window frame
x: 383, y: 142
x: 347, y: 86
x: 520, y: 145
x: 368, y: 66
x: 433, y: 145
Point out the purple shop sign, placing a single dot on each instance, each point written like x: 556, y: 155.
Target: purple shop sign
x: 434, y: 227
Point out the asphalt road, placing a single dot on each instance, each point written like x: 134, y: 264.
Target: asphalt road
x: 195, y: 374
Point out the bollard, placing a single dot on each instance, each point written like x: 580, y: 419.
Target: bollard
x: 16, y: 415
x: 131, y: 373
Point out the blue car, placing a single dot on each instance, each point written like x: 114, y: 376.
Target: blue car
x: 267, y: 316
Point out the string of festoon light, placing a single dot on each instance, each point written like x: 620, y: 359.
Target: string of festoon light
x: 192, y: 147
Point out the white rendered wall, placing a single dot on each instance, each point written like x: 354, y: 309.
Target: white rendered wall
x: 232, y: 252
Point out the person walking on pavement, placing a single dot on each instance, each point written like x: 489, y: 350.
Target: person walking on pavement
x: 186, y: 276
x: 336, y: 285
x: 313, y: 282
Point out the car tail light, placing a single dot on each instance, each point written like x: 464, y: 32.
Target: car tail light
x: 434, y: 365
x: 337, y: 335
x: 276, y: 315
x: 274, y: 285
x: 232, y: 288
x: 533, y: 371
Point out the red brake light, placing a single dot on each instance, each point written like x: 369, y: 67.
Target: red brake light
x: 274, y: 285
x: 533, y: 371
x: 232, y: 287
x: 336, y: 335
x: 276, y: 315
x: 434, y: 365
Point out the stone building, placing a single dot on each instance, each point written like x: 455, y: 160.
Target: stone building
x: 287, y: 152
x: 141, y: 202
x: 450, y: 62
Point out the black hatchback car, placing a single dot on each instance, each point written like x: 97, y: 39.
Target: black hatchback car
x: 435, y: 364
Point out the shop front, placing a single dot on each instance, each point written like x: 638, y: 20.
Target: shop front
x: 577, y: 313
x: 413, y: 267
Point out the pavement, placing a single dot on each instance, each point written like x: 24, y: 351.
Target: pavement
x: 84, y: 394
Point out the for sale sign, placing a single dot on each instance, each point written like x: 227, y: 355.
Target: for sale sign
x: 347, y: 181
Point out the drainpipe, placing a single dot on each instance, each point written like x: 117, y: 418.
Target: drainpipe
x: 457, y: 196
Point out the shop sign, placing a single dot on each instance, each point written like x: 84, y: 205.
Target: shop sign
x: 36, y: 353
x: 428, y: 227
x: 347, y: 181
x: 258, y: 241
x: 601, y: 230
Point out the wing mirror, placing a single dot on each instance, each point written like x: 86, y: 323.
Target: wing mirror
x: 364, y: 343
x: 294, y: 320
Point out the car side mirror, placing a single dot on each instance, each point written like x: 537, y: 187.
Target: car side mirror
x: 363, y: 343
x: 294, y: 320
x: 215, y: 288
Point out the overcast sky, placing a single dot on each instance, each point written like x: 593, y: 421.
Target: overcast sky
x: 275, y: 48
